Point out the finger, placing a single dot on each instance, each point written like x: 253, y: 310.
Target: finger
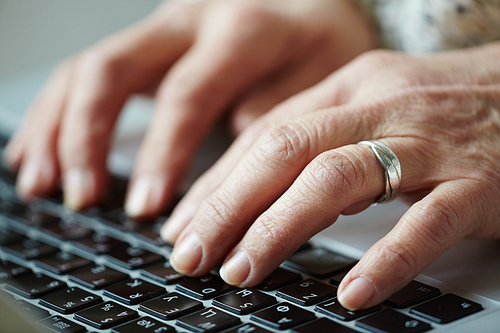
x: 311, y: 100
x: 264, y: 173
x: 33, y: 147
x: 429, y: 228
x: 105, y: 77
x: 194, y: 94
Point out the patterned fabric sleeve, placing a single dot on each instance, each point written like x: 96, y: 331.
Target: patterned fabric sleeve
x: 419, y: 26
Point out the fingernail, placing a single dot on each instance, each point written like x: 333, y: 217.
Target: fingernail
x: 141, y: 195
x: 180, y: 217
x: 29, y: 177
x: 186, y: 256
x: 357, y: 294
x: 236, y: 270
x: 78, y: 188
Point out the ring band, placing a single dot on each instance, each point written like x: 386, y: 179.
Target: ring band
x: 392, y: 169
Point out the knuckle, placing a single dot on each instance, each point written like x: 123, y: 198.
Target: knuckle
x: 246, y: 17
x: 398, y: 255
x: 375, y: 60
x: 334, y: 172
x: 285, y: 144
x: 216, y: 209
x: 103, y: 64
x: 437, y: 220
x: 265, y: 231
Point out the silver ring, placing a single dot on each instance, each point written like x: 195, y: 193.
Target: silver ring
x: 392, y: 169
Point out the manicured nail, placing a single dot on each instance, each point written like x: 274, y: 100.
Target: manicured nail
x: 142, y: 194
x: 236, y: 270
x: 29, y: 177
x: 186, y: 256
x: 180, y: 217
x: 357, y: 294
x: 78, y: 188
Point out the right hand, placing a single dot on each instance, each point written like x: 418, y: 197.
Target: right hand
x: 199, y: 58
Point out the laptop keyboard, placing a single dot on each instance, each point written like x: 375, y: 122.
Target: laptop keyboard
x: 97, y: 271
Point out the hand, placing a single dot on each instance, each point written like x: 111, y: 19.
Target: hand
x: 199, y: 59
x: 297, y: 168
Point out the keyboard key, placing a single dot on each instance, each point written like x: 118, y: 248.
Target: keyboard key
x: 323, y: 325
x: 205, y: 287
x: 69, y: 300
x: 415, y: 292
x: 283, y: 316
x: 171, y: 306
x: 34, y: 285
x: 162, y: 272
x: 208, y: 320
x: 307, y: 292
x: 133, y: 257
x: 40, y: 219
x: 8, y: 237
x: 248, y: 328
x: 279, y: 278
x: 31, y: 309
x: 106, y: 315
x: 389, y: 320
x: 119, y: 220
x: 244, y: 301
x: 14, y: 209
x: 64, y: 230
x: 9, y: 270
x: 334, y: 309
x: 143, y: 325
x: 319, y: 262
x: 97, y: 276
x: 62, y: 262
x: 29, y: 249
x: 133, y: 291
x: 97, y: 243
x: 61, y: 324
x: 446, y: 308
x: 337, y: 278
x: 150, y: 232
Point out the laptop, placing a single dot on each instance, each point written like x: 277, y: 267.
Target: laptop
x: 98, y: 272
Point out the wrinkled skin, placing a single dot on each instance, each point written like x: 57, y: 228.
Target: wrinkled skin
x: 297, y: 168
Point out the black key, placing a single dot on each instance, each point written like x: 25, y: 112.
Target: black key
x: 61, y: 324
x: 307, y: 292
x: 150, y: 232
x: 415, y: 292
x: 29, y: 249
x: 319, y: 262
x: 32, y: 310
x: 133, y: 291
x: 9, y: 270
x: 248, y: 328
x: 282, y: 316
x: 119, y: 220
x: 171, y: 306
x: 97, y: 276
x: 208, y: 320
x: 34, y: 285
x: 40, y: 219
x: 143, y: 325
x: 446, y: 308
x: 69, y: 300
x: 337, y: 278
x: 389, y: 320
x: 14, y: 209
x: 334, y: 309
x: 279, y: 278
x: 62, y: 262
x: 64, y: 230
x: 205, y: 287
x: 162, y: 272
x: 8, y: 237
x: 323, y: 325
x: 97, y: 243
x: 133, y: 257
x: 106, y: 315
x: 244, y: 301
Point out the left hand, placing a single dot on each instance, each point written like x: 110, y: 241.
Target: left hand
x: 294, y: 171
